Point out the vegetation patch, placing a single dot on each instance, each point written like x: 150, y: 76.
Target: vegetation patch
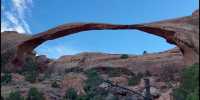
x: 55, y: 85
x: 74, y: 69
x: 70, y: 94
x: 113, y: 72
x: 91, y: 87
x: 124, y: 56
x: 31, y: 77
x: 30, y: 70
x: 5, y: 58
x: 34, y: 94
x: 6, y: 78
x: 189, y: 87
x: 15, y: 96
x: 135, y: 79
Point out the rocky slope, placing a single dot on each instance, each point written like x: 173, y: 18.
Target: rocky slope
x: 135, y: 63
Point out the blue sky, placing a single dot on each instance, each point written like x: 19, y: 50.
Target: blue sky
x: 33, y: 16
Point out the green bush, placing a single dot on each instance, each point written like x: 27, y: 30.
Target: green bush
x: 29, y: 65
x: 31, y: 76
x: 124, y: 56
x: 15, y: 96
x: 144, y: 52
x: 147, y: 73
x: 91, y: 84
x: 85, y: 97
x: 74, y: 69
x: 30, y: 70
x: 5, y: 58
x: 6, y: 78
x: 134, y: 80
x: 71, y: 94
x: 93, y: 79
x: 34, y: 94
x: 189, y: 87
x: 112, y: 72
x: 55, y: 84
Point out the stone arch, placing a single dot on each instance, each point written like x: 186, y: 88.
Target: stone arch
x: 183, y: 32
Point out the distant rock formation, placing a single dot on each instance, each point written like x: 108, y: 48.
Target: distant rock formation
x: 154, y: 63
x: 183, y: 32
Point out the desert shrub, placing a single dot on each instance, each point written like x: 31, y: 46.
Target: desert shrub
x: 91, y: 84
x: 30, y: 70
x: 124, y: 56
x: 83, y: 98
x: 5, y: 58
x: 134, y: 80
x: 4, y: 61
x: 147, y: 73
x: 34, y: 94
x: 116, y: 72
x: 98, y: 97
x: 31, y: 76
x: 113, y: 72
x: 189, y: 87
x: 6, y: 78
x: 110, y: 96
x: 55, y: 84
x: 70, y: 94
x: 93, y: 78
x: 29, y: 65
x: 139, y: 75
x: 114, y: 98
x: 15, y: 96
x: 74, y: 69
x: 144, y: 52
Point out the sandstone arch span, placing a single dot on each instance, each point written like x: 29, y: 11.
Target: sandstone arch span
x: 183, y: 32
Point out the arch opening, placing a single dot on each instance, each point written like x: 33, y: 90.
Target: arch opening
x: 130, y: 42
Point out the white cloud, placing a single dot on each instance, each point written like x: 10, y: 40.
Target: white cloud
x: 5, y: 27
x: 20, y: 29
x: 56, y: 51
x: 21, y: 6
x: 13, y: 18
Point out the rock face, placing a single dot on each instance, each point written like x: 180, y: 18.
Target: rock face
x: 42, y: 62
x: 183, y: 32
x: 75, y: 81
x: 9, y: 42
